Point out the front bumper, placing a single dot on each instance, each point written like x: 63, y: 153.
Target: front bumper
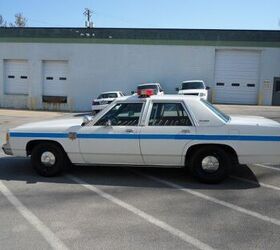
x: 7, y: 149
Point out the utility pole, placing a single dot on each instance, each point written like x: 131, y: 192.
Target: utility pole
x: 88, y: 14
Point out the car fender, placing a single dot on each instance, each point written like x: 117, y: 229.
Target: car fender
x: 189, y: 144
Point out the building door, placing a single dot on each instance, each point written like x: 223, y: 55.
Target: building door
x: 276, y: 92
x: 16, y: 75
x: 237, y: 76
x: 55, y: 78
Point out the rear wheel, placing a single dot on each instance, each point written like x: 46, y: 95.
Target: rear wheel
x: 48, y: 159
x: 210, y: 164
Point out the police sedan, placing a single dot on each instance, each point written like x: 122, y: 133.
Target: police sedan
x: 168, y: 130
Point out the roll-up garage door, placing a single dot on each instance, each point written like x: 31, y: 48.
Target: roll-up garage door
x: 55, y: 78
x: 16, y: 76
x: 237, y: 76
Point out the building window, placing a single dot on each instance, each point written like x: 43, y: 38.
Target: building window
x: 49, y: 78
x: 23, y: 77
x: 235, y: 84
x: 62, y: 78
x: 220, y: 84
x: 11, y: 77
x: 250, y: 85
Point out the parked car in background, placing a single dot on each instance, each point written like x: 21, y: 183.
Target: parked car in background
x: 194, y: 87
x: 104, y: 99
x: 152, y: 86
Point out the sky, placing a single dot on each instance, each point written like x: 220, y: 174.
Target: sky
x: 197, y: 14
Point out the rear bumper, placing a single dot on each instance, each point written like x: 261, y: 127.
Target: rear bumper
x: 7, y: 149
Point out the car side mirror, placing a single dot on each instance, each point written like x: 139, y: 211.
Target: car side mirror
x: 132, y: 92
x: 87, y: 119
x: 177, y: 89
x: 207, y: 87
x: 108, y: 123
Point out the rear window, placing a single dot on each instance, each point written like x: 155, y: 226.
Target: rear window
x: 107, y: 95
x: 219, y: 113
x: 152, y: 86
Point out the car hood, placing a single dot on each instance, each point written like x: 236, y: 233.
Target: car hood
x: 57, y: 125
x: 191, y: 91
x: 253, y: 120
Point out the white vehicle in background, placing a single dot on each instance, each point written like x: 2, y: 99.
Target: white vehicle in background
x: 194, y: 87
x: 104, y: 99
x: 153, y: 87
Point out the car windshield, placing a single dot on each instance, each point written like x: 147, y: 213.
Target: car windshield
x: 219, y: 113
x: 151, y: 86
x: 107, y: 95
x: 192, y: 85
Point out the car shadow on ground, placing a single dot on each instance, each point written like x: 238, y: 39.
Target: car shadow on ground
x: 19, y: 169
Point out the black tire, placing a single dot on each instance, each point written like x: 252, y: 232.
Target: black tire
x: 48, y: 170
x: 225, y: 163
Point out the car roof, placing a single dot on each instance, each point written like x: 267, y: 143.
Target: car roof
x: 158, y: 97
x: 193, y: 81
x: 109, y: 92
x: 149, y: 83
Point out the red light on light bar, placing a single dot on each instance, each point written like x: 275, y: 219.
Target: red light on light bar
x: 145, y: 92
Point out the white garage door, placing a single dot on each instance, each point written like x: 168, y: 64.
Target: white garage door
x: 237, y: 76
x: 55, y: 78
x: 16, y: 77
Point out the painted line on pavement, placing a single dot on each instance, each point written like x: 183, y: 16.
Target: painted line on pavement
x: 268, y: 167
x: 49, y: 236
x: 212, y: 199
x: 256, y: 183
x: 174, y: 231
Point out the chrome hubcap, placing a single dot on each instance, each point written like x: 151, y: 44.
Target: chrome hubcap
x: 48, y: 158
x: 210, y: 164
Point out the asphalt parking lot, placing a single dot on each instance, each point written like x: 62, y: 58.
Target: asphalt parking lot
x: 136, y: 208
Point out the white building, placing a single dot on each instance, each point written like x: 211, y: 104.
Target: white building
x: 65, y: 68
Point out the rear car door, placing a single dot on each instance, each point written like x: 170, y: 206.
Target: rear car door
x: 167, y: 130
x: 114, y: 138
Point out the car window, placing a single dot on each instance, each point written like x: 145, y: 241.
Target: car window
x: 192, y: 85
x: 169, y: 114
x: 107, y: 95
x: 122, y: 114
x: 219, y: 113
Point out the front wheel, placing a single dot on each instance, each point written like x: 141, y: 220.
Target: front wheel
x: 210, y: 164
x: 48, y: 159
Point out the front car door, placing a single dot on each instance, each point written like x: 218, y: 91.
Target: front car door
x: 167, y: 130
x: 114, y: 137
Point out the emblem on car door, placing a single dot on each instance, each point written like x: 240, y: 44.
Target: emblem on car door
x: 72, y: 136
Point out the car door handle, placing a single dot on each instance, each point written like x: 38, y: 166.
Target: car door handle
x: 185, y: 131
x: 129, y: 130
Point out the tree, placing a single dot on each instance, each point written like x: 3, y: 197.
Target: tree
x: 3, y: 23
x: 20, y: 20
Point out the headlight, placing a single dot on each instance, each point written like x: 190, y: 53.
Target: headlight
x: 202, y: 94
x: 7, y: 136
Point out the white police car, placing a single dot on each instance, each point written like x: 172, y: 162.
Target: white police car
x: 168, y: 130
